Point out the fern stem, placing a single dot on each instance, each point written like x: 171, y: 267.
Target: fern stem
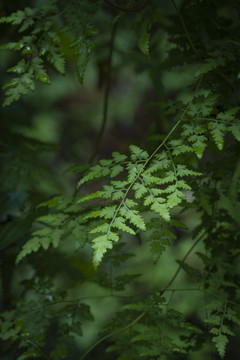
x: 176, y: 125
x: 153, y: 154
x: 144, y: 313
x: 166, y: 287
x: 106, y: 94
x: 112, y: 334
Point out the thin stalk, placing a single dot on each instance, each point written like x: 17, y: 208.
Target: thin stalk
x: 186, y: 30
x: 106, y: 94
x: 188, y: 36
x: 167, y: 286
x: 133, y: 10
x: 152, y: 155
x: 139, y: 317
x: 112, y: 334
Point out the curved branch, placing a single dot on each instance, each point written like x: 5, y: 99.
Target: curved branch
x: 186, y: 30
x: 139, y: 317
x: 106, y: 95
x: 112, y: 334
x: 133, y: 10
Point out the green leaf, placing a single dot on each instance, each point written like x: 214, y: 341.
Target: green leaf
x: 83, y: 50
x: 118, y: 158
x: 140, y: 190
x: 18, y: 87
x: 137, y: 153
x: 220, y: 343
x: 161, y: 209
x: 15, y: 18
x: 217, y: 131
x: 57, y: 60
x: 100, y: 228
x: 100, y: 246
x: 134, y: 217
x: 108, y: 212
x: 119, y: 223
x: 144, y: 39
x: 210, y: 65
x: 95, y: 195
x: 20, y: 68
x: 235, y: 130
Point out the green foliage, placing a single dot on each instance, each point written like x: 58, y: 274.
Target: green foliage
x: 134, y: 212
x: 44, y: 42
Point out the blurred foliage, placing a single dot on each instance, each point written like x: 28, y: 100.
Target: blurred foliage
x: 119, y: 180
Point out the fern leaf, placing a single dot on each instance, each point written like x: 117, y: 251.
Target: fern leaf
x: 160, y: 162
x: 144, y: 39
x: 175, y: 199
x: 161, y: 209
x: 140, y: 190
x: 118, y: 158
x: 35, y: 243
x: 93, y: 214
x: 210, y: 65
x: 100, y: 228
x: 39, y: 71
x: 158, y: 242
x: 118, y: 194
x: 182, y: 170
x: 116, y: 170
x: 130, y: 203
x: 217, y: 131
x: 95, y: 195
x: 220, y: 343
x: 52, y: 219
x: 18, y: 87
x: 20, y: 68
x: 119, y: 223
x: 108, y: 212
x: 181, y: 184
x: 137, y: 153
x: 15, y: 18
x: 83, y: 51
x: 235, y: 130
x: 100, y: 245
x: 133, y: 171
x: 179, y: 147
x: 228, y: 115
x: 134, y: 217
x: 94, y: 173
x: 56, y: 59
x: 150, y: 199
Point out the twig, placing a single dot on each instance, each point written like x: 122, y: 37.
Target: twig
x: 106, y: 94
x: 133, y: 10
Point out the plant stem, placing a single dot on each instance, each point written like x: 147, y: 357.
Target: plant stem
x: 106, y: 94
x: 144, y: 313
x: 112, y: 334
x: 186, y: 30
x: 152, y: 155
x: 167, y: 286
x: 133, y: 10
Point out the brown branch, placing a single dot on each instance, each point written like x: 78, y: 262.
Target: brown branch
x: 133, y: 10
x: 106, y: 95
